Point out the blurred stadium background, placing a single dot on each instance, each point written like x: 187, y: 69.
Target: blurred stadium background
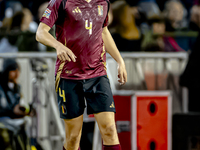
x: 158, y: 108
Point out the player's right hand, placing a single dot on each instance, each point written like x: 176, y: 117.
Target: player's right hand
x: 65, y: 54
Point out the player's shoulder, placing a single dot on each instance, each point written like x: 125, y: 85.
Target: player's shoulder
x: 103, y: 1
x: 107, y: 1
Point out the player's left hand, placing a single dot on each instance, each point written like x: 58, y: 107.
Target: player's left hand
x: 122, y: 74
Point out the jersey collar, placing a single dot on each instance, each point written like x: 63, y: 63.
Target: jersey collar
x: 88, y: 1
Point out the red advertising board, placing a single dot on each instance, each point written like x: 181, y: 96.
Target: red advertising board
x: 144, y: 120
x: 152, y: 114
x: 123, y: 120
x: 152, y: 123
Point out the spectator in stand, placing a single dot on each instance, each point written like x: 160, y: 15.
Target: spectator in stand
x: 175, y: 20
x: 8, y: 10
x: 10, y: 108
x: 153, y: 39
x: 175, y: 15
x: 6, y: 23
x: 195, y: 18
x: 27, y: 23
x: 125, y: 33
x: 28, y: 28
x: 8, y: 84
x: 11, y: 27
x: 187, y: 3
x: 20, y: 25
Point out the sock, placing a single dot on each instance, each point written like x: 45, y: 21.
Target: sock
x: 112, y: 147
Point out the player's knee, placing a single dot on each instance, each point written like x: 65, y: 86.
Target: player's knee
x: 74, y: 138
x: 109, y: 132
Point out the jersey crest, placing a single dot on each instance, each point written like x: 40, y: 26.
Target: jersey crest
x: 100, y: 10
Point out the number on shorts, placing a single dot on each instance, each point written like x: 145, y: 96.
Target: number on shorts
x: 62, y: 94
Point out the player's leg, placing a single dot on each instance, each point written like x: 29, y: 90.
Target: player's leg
x: 100, y: 102
x: 107, y: 127
x: 73, y: 128
x: 71, y: 105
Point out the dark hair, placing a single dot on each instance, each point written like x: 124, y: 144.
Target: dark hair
x: 15, y: 28
x: 17, y: 21
x: 8, y: 65
x: 4, y: 80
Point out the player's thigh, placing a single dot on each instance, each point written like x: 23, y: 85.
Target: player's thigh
x: 70, y: 99
x: 73, y: 127
x: 99, y: 96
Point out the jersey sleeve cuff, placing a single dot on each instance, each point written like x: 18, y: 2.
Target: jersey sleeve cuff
x: 46, y: 22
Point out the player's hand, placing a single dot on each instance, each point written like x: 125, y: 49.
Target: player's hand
x: 65, y: 54
x: 122, y: 74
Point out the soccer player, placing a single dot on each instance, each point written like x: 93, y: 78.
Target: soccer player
x: 82, y: 42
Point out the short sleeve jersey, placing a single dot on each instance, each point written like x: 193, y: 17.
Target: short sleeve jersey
x: 79, y: 25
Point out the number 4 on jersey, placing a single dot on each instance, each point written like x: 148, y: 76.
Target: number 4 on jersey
x: 88, y: 28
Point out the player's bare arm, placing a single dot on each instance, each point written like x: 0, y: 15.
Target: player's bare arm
x: 43, y: 36
x: 111, y: 48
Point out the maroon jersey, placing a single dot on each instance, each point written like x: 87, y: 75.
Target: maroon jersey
x: 79, y: 25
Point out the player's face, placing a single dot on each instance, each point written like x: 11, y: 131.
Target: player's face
x: 13, y: 75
